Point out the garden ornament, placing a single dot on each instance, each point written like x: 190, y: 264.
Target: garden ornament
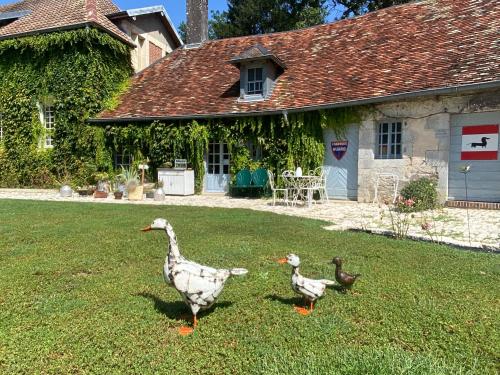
x: 310, y: 289
x: 343, y: 278
x: 198, y: 285
x: 66, y: 191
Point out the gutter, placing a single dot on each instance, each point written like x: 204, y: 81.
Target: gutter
x: 349, y: 103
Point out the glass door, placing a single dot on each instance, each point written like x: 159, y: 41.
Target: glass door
x: 217, y: 172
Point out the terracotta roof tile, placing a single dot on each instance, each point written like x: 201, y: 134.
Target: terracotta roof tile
x: 53, y: 14
x: 417, y: 46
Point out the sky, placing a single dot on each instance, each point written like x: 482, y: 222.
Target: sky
x: 176, y: 9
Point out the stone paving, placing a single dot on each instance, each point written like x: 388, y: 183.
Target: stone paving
x: 447, y: 225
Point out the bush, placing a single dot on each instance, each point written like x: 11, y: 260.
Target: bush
x: 423, y: 192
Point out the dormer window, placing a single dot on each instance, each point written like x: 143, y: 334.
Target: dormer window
x: 255, y: 81
x: 259, y: 70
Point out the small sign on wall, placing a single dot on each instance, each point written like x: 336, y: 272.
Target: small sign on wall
x: 480, y: 142
x: 339, y: 148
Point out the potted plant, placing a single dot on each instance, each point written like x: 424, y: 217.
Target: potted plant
x: 102, y: 190
x: 130, y: 176
x: 119, y: 187
x: 159, y: 194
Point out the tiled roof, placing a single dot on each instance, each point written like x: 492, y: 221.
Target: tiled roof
x: 425, y: 45
x: 46, y: 15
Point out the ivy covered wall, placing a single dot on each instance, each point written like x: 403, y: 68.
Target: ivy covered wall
x: 286, y: 141
x: 82, y: 72
x: 79, y: 71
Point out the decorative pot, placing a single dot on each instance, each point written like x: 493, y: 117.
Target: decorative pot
x: 100, y: 194
x: 159, y: 195
x: 118, y: 194
x: 85, y: 192
x: 66, y: 191
x: 137, y: 194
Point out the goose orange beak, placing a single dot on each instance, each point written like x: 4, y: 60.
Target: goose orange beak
x: 282, y: 260
x: 147, y: 229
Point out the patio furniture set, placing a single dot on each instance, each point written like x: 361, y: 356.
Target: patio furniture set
x: 298, y: 187
x: 295, y: 187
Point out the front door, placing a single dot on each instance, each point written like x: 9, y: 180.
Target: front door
x: 341, y: 163
x: 217, y: 168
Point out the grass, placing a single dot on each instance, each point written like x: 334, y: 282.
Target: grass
x: 82, y: 292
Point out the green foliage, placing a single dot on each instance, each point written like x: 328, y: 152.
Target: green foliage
x: 358, y: 7
x: 286, y: 141
x: 78, y: 71
x: 83, y: 292
x: 241, y: 159
x: 423, y: 192
x: 250, y: 17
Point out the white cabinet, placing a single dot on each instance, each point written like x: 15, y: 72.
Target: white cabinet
x: 177, y: 181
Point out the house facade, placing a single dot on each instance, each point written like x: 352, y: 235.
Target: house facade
x: 424, y: 77
x: 60, y: 63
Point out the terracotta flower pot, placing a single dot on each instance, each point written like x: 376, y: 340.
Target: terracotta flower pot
x: 118, y: 194
x: 100, y: 194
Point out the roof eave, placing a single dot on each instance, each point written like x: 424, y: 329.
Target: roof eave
x: 69, y: 27
x: 374, y: 100
x: 159, y: 9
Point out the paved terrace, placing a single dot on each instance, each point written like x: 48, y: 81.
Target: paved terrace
x: 447, y: 225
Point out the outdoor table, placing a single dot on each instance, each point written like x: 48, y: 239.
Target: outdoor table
x: 299, y: 184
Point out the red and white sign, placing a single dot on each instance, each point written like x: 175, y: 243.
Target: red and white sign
x: 480, y: 142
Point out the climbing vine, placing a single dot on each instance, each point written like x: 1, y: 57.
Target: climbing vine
x: 82, y: 72
x: 286, y: 141
x: 78, y: 71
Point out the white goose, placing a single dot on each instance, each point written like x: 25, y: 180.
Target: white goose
x: 309, y: 288
x: 198, y: 285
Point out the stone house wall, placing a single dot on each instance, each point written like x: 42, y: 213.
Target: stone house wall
x: 425, y: 140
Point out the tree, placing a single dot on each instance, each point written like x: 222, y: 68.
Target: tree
x: 250, y: 17
x: 351, y: 8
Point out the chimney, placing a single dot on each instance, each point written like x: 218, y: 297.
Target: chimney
x: 197, y: 21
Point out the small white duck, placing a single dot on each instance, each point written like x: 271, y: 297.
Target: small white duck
x: 198, y: 285
x: 309, y: 288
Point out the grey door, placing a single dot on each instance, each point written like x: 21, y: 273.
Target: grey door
x: 342, y: 168
x: 484, y: 176
x: 217, y: 168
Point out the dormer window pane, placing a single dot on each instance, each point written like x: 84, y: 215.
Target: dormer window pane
x: 255, y: 81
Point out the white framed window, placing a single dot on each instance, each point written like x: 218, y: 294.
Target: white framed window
x: 255, y: 81
x: 389, y: 135
x: 49, y: 123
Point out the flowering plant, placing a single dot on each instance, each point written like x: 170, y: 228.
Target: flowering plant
x: 401, y: 216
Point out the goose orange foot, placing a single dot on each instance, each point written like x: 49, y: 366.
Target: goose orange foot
x: 302, y: 310
x: 185, y: 331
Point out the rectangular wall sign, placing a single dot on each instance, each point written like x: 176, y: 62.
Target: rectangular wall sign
x: 480, y: 142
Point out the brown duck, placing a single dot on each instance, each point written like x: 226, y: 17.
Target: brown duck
x: 343, y: 278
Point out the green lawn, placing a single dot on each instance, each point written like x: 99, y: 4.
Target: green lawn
x: 81, y: 291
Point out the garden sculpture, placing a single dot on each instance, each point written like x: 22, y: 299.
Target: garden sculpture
x: 343, y: 278
x: 310, y: 289
x: 198, y: 285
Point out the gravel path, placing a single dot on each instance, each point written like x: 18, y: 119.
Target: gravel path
x: 447, y: 225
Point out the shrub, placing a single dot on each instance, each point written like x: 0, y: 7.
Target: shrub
x: 423, y: 192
